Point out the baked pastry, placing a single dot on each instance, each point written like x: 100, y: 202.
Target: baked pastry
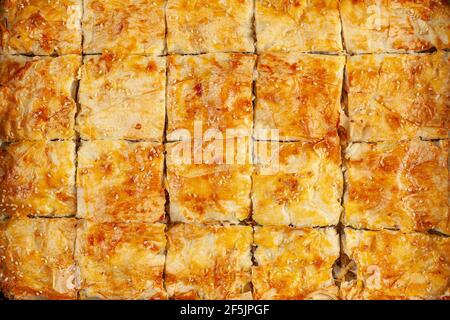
x: 122, y: 97
x: 394, y: 265
x: 402, y: 185
x: 297, y: 183
x: 214, y: 90
x: 41, y: 27
x: 37, y: 258
x: 295, y: 263
x: 298, y: 94
x: 204, y: 26
x: 313, y: 26
x: 120, y: 260
x: 129, y: 26
x: 37, y: 97
x: 209, y: 184
x: 120, y: 181
x: 224, y: 149
x: 38, y: 179
x: 209, y: 262
x: 393, y: 97
x: 395, y: 25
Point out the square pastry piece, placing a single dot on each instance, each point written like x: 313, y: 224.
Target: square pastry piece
x: 38, y: 179
x: 41, y: 27
x: 209, y: 183
x: 37, y: 258
x: 299, y: 95
x: 212, y: 90
x: 203, y: 26
x: 121, y: 260
x: 393, y: 97
x: 298, y: 25
x: 37, y: 97
x: 395, y: 25
x: 393, y: 265
x: 122, y: 97
x: 131, y: 26
x: 398, y: 185
x: 298, y: 183
x: 209, y: 262
x: 120, y: 181
x: 295, y: 263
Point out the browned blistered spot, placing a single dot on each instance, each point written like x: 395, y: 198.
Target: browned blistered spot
x: 97, y: 6
x: 95, y: 238
x: 106, y: 168
x: 108, y: 59
x: 198, y: 88
x: 64, y: 196
x: 152, y: 67
x: 318, y: 262
x: 394, y: 120
x: 331, y: 146
x: 236, y: 61
x: 41, y: 114
x: 46, y: 42
x: 121, y: 26
x: 389, y: 163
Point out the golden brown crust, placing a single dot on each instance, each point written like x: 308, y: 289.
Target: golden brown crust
x: 129, y: 26
x: 286, y: 25
x: 392, y: 97
x: 398, y: 185
x: 120, y: 181
x: 40, y: 26
x: 38, y: 259
x: 393, y: 265
x: 38, y: 178
x: 294, y: 263
x: 304, y: 190
x: 395, y: 25
x: 208, y: 262
x: 213, y: 88
x: 216, y: 190
x: 121, y: 260
x: 298, y: 94
x: 204, y: 26
x: 37, y: 98
x: 122, y: 97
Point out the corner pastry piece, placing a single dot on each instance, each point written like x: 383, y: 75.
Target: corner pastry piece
x: 395, y: 25
x: 203, y: 26
x: 38, y: 178
x: 120, y: 181
x: 37, y: 97
x: 298, y: 25
x: 121, y: 260
x: 37, y: 257
x: 398, y: 185
x: 209, y: 183
x: 298, y: 94
x: 209, y: 262
x: 298, y: 183
x: 392, y: 97
x: 131, y: 26
x: 393, y: 265
x: 214, y: 90
x: 41, y: 27
x: 295, y: 263
x: 122, y: 97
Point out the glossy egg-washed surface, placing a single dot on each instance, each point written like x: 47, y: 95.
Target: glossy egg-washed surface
x: 102, y: 195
